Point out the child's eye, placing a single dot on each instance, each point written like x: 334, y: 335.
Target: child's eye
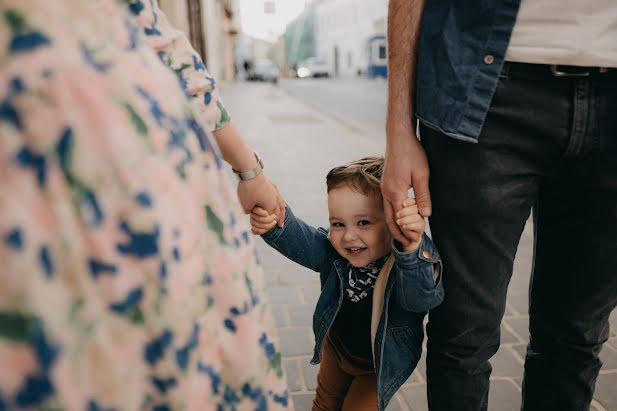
x: 337, y: 224
x: 363, y: 222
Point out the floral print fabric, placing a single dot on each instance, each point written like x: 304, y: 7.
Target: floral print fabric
x: 175, y: 50
x: 128, y: 279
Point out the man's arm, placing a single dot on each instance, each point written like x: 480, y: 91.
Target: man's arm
x: 406, y: 164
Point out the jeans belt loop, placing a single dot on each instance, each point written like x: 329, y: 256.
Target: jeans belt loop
x: 559, y: 73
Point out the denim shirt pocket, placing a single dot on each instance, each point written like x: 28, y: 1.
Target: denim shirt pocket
x: 421, y: 288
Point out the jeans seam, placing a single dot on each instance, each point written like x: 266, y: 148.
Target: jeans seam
x: 580, y: 118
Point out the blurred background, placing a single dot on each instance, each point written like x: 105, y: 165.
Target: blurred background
x: 245, y: 39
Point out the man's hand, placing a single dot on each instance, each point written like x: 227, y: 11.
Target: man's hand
x: 406, y: 166
x: 261, y: 191
x: 261, y: 221
x: 411, y: 223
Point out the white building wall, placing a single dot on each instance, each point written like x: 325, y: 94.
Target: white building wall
x: 346, y: 25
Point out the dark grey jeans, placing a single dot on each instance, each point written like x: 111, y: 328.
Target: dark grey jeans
x: 548, y: 144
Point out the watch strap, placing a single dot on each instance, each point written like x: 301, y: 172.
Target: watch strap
x: 252, y: 173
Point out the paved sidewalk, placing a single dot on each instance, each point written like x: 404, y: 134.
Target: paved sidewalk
x: 299, y: 143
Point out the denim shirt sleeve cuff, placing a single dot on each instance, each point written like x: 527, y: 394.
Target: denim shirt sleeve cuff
x: 419, y: 274
x: 425, y: 254
x: 276, y: 231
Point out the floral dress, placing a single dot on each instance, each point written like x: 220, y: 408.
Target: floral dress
x: 128, y: 280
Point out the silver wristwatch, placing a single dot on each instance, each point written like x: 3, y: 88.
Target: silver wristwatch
x: 253, y: 172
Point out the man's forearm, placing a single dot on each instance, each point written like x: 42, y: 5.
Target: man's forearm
x: 404, y: 20
x: 406, y: 165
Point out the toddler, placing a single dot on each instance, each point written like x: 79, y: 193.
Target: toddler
x: 374, y: 291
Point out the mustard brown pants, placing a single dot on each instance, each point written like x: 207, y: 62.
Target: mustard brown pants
x: 344, y: 382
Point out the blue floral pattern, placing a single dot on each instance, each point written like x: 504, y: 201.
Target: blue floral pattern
x: 129, y: 280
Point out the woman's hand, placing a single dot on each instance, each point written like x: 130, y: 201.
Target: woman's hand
x: 261, y: 191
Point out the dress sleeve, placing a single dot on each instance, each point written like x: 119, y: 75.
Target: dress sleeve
x: 175, y: 50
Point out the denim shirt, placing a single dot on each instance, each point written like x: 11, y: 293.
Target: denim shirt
x: 411, y: 290
x: 461, y: 52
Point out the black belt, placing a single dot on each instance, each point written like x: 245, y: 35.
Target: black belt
x: 548, y: 70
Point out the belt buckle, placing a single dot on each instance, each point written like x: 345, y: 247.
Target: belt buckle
x: 558, y: 73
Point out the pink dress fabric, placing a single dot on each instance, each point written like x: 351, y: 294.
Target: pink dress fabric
x: 128, y: 278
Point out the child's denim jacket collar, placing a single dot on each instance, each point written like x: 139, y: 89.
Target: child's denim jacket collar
x: 411, y: 291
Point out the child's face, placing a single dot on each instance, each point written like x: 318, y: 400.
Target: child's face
x: 358, y: 229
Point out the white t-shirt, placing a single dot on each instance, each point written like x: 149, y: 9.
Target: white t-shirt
x: 568, y: 32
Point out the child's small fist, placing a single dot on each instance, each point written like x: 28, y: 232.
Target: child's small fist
x: 411, y: 223
x: 261, y: 221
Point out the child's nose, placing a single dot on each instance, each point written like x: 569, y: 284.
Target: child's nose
x: 349, y: 235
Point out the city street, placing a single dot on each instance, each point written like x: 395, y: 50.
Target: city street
x: 357, y: 99
x: 301, y: 129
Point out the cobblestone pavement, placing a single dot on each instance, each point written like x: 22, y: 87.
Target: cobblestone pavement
x: 299, y: 144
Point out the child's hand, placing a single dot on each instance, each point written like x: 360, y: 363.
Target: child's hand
x: 261, y: 221
x: 411, y: 224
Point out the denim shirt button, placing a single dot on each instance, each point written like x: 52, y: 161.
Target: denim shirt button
x: 426, y: 254
x: 489, y: 59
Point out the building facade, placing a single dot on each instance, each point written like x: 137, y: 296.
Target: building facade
x: 299, y: 37
x: 212, y: 26
x: 344, y: 30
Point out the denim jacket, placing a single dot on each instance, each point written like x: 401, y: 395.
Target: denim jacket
x: 410, y: 291
x: 461, y: 52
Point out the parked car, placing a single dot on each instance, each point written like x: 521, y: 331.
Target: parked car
x: 264, y: 70
x: 313, y: 67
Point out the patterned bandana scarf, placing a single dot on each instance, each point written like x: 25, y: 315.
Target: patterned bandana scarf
x: 361, y: 280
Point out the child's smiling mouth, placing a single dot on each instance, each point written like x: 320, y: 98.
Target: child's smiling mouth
x: 355, y: 250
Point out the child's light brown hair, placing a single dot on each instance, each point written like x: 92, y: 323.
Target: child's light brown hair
x: 361, y: 175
